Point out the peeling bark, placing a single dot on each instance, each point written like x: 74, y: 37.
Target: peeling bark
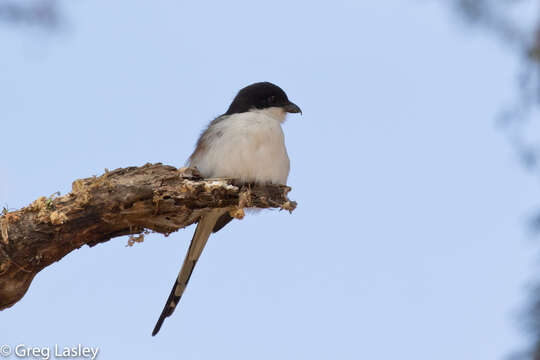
x: 128, y: 201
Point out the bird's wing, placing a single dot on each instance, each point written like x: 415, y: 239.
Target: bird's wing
x: 202, y: 233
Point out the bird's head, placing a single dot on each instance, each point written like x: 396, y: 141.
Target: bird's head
x: 262, y: 96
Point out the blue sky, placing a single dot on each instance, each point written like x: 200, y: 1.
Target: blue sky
x: 409, y: 239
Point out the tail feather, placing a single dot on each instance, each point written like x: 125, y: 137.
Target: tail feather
x: 202, y: 233
x: 222, y: 221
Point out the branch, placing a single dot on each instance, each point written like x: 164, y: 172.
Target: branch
x: 127, y: 201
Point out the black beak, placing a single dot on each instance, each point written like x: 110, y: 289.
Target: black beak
x: 292, y: 108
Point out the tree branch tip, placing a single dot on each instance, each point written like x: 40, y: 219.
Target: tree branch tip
x: 289, y: 206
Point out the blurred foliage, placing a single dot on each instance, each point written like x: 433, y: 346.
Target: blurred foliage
x: 517, y: 24
x: 495, y: 15
x: 37, y: 13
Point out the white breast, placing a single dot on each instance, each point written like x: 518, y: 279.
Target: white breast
x: 248, y: 146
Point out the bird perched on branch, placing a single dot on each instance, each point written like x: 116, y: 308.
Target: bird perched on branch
x: 245, y: 143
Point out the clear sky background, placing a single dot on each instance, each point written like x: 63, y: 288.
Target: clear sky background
x: 409, y: 240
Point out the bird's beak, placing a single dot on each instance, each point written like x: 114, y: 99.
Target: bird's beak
x: 292, y: 108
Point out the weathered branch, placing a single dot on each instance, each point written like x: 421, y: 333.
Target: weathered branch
x: 126, y: 201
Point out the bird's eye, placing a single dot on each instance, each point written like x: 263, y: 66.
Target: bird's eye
x: 271, y: 99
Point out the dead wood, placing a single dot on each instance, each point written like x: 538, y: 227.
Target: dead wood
x: 128, y: 201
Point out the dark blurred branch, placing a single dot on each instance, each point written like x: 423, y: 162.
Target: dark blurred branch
x: 42, y: 13
x: 489, y: 14
x: 534, y: 52
x: 508, y: 21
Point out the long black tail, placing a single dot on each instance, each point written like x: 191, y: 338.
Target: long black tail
x: 202, y: 233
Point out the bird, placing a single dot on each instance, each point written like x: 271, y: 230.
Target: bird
x: 247, y: 144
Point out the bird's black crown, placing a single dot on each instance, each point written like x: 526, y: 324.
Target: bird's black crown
x: 261, y: 95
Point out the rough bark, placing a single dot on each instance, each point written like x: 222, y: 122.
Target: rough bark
x: 129, y: 201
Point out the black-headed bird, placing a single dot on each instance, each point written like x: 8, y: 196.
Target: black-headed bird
x: 246, y: 143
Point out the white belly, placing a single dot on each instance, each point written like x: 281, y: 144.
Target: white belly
x: 248, y: 146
